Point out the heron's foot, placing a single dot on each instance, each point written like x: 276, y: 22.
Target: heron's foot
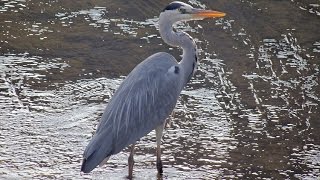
x: 130, y: 177
x: 159, y: 167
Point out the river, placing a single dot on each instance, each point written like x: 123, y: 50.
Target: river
x: 250, y: 112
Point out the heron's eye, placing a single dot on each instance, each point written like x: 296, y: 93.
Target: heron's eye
x: 182, y: 11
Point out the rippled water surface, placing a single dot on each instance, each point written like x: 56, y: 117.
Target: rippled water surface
x: 250, y: 112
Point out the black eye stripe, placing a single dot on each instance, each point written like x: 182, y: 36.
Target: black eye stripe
x: 172, y: 6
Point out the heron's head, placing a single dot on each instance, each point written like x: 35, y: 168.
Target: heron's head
x: 179, y: 11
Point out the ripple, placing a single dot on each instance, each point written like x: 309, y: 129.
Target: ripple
x: 12, y: 6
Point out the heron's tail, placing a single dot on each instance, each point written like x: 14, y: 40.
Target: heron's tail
x: 99, y: 148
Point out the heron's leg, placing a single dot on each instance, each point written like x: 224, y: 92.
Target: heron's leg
x: 169, y: 120
x: 131, y: 161
x: 159, y: 131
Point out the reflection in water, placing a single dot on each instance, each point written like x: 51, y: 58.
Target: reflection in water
x: 251, y: 110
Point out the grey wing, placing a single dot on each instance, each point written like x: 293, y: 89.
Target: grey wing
x: 143, y: 101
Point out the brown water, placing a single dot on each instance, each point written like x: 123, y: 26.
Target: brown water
x: 250, y: 112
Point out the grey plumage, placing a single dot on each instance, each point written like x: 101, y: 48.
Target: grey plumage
x: 149, y: 93
x: 134, y: 110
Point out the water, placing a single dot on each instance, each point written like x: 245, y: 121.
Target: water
x: 250, y: 111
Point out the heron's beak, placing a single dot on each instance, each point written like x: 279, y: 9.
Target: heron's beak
x: 201, y: 14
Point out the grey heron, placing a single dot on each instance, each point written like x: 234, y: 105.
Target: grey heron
x: 148, y: 94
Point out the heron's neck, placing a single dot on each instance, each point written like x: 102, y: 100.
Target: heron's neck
x: 189, y: 58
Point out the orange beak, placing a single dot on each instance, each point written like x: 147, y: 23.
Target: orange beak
x: 200, y: 13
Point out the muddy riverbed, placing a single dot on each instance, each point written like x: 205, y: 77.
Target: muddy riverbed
x: 250, y: 112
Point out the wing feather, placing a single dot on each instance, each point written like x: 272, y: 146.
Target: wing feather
x: 142, y: 102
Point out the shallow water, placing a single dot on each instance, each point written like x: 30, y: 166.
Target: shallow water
x: 250, y: 111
